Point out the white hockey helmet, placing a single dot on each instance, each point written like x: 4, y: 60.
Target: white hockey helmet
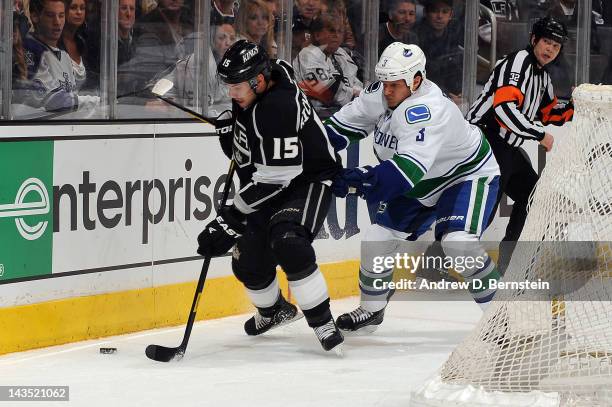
x: 401, y: 61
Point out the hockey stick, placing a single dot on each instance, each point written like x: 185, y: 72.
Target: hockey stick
x: 161, y: 353
x: 163, y: 86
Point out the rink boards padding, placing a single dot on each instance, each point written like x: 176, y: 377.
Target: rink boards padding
x: 90, y: 317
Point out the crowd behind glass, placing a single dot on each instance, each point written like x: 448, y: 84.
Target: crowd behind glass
x: 56, y: 57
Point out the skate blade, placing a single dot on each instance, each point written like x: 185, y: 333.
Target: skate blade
x: 297, y: 316
x: 366, y: 330
x: 339, y: 350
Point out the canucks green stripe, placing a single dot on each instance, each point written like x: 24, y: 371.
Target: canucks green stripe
x: 477, y: 205
x: 369, y: 281
x: 351, y: 135
x: 411, y: 170
x: 427, y: 186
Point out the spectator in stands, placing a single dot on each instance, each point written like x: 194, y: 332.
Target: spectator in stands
x: 127, y: 18
x: 300, y: 38
x: 51, y: 84
x: 146, y: 6
x: 256, y: 24
x: 399, y: 27
x: 440, y: 38
x: 126, y: 45
x: 20, y: 30
x: 160, y: 41
x: 183, y: 76
x: 506, y: 10
x: 223, y: 11
x: 326, y: 72
x: 338, y: 8
x: 223, y: 36
x: 355, y: 15
x: 306, y: 11
x: 274, y: 9
x: 74, y: 39
x: 218, y: 93
x: 21, y: 27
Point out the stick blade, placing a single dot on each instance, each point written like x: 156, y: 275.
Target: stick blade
x: 163, y: 354
x: 162, y: 87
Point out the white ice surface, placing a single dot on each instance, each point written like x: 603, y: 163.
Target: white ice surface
x: 224, y: 367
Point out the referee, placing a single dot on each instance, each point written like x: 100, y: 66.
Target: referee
x: 514, y: 106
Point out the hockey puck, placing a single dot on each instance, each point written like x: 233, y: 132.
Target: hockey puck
x: 108, y: 351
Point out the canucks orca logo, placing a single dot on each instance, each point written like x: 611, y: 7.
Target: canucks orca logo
x: 407, y: 52
x: 373, y: 87
x: 417, y: 114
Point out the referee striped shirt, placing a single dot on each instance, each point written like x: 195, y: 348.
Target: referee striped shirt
x: 518, y: 101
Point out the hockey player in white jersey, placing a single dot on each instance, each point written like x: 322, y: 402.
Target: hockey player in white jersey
x: 434, y: 167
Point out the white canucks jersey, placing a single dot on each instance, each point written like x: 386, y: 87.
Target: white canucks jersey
x: 425, y: 137
x: 328, y: 80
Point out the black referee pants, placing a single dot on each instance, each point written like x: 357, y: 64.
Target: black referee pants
x: 518, y: 180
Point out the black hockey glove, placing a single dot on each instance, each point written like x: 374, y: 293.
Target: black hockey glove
x: 221, y: 234
x: 224, y: 127
x: 340, y: 187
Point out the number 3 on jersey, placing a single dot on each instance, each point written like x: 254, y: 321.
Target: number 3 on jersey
x: 285, y: 148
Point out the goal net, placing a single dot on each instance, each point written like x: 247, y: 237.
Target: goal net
x: 553, y: 350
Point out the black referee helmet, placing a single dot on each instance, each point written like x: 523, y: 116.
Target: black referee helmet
x: 551, y: 28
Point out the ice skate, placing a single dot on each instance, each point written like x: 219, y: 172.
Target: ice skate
x: 284, y: 314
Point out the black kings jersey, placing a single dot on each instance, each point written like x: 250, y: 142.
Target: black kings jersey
x: 279, y: 140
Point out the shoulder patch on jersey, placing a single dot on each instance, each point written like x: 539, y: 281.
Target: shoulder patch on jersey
x: 373, y: 87
x: 417, y: 114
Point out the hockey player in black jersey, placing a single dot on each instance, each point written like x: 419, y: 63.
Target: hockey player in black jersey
x: 284, y: 163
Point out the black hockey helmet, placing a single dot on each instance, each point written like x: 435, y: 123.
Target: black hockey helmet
x: 548, y: 27
x: 242, y: 62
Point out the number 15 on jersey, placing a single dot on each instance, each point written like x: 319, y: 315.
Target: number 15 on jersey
x: 285, y: 148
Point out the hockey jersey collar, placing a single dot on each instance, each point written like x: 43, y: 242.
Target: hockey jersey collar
x: 54, y: 50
